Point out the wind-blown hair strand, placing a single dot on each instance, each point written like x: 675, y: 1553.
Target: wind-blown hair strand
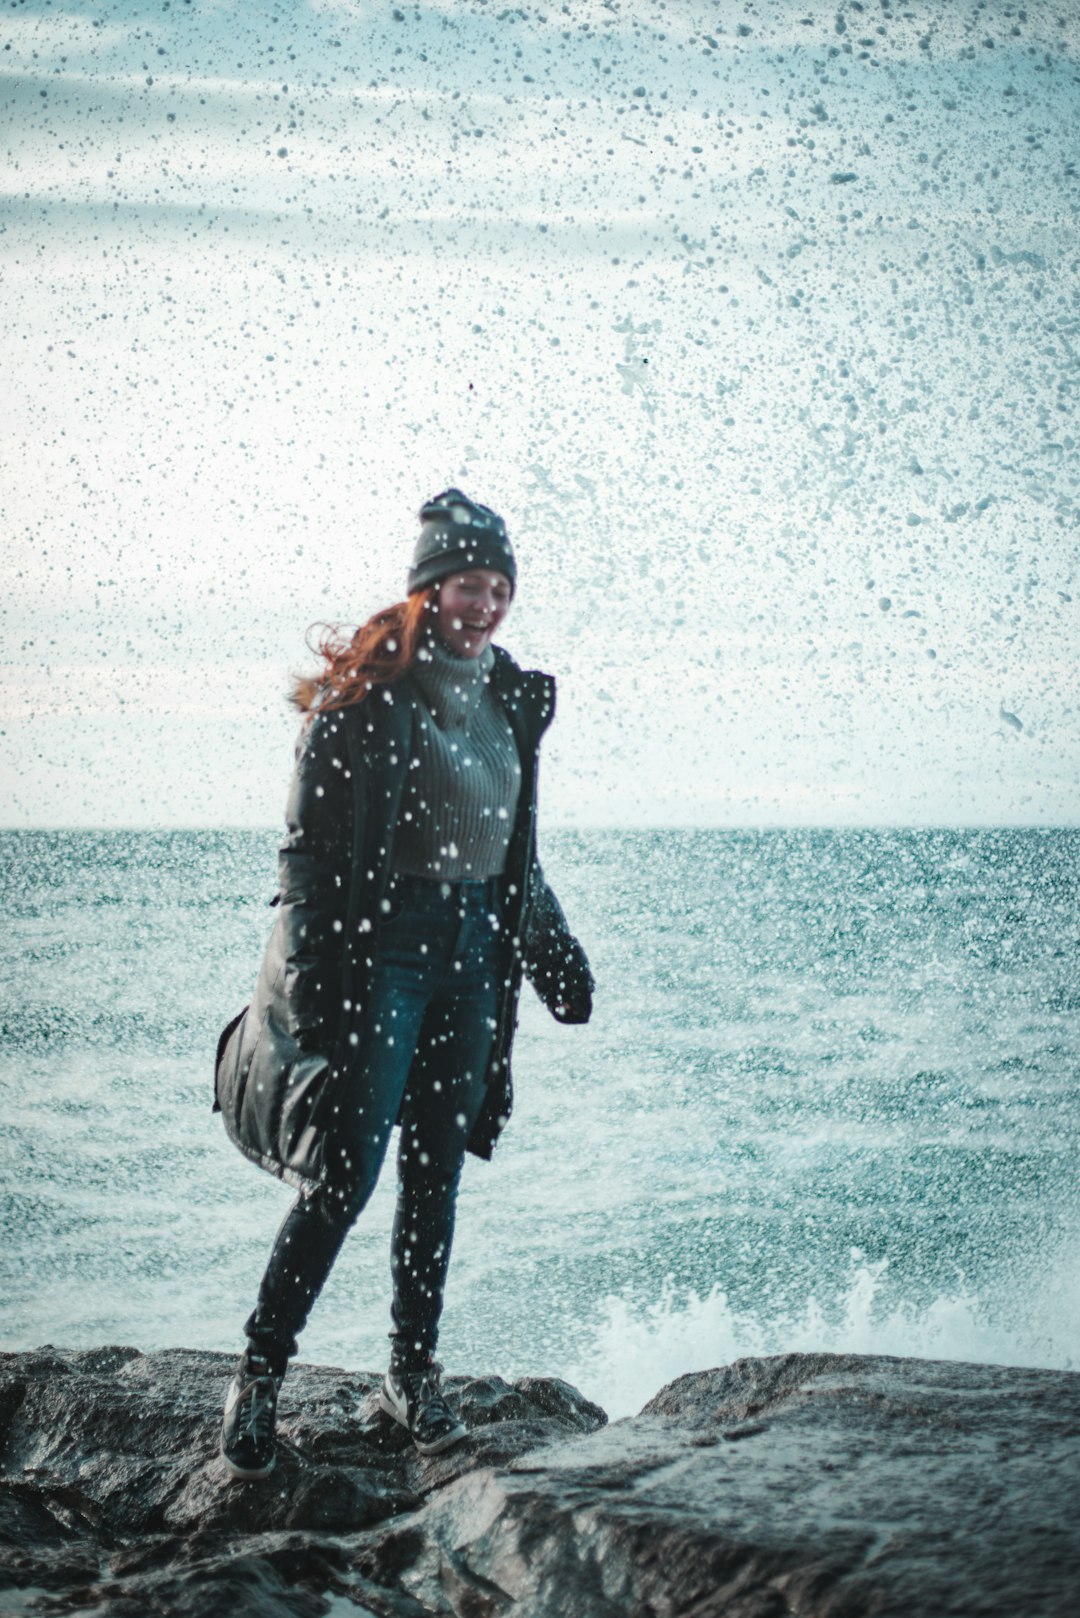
x: 378, y: 652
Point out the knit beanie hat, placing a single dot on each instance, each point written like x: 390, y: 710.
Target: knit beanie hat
x: 455, y: 535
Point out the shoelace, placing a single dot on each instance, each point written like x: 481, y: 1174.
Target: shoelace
x: 257, y: 1408
x: 431, y: 1405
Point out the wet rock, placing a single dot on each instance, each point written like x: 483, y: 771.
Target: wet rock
x: 826, y: 1485
x: 816, y: 1484
x: 113, y: 1496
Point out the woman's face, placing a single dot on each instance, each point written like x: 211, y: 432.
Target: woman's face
x: 470, y: 608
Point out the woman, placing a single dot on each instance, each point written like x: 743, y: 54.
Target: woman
x: 411, y: 902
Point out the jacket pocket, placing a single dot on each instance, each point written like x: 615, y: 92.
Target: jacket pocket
x: 224, y: 1037
x: 285, y: 1109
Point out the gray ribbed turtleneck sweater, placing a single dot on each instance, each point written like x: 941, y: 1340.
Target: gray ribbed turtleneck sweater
x: 464, y: 777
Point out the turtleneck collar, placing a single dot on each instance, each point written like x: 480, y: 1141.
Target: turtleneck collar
x: 452, y: 686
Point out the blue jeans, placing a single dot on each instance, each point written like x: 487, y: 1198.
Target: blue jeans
x: 423, y: 1045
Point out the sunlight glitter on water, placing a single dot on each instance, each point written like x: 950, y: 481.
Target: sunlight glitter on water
x: 774, y: 1079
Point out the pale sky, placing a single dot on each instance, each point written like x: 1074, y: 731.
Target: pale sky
x: 760, y: 325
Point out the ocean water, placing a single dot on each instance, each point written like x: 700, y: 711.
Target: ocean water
x: 829, y: 1099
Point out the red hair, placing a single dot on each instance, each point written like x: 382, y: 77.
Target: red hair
x: 379, y: 651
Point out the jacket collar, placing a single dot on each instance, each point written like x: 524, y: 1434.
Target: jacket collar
x: 528, y: 695
x: 384, y: 720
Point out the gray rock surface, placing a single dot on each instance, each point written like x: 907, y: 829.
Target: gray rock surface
x: 828, y: 1486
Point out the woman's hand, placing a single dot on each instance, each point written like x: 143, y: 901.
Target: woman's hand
x: 573, y: 1011
x: 555, y: 963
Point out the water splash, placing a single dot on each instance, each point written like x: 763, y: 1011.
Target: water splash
x: 638, y: 1347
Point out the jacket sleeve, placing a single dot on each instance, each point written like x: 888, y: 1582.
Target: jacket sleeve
x: 313, y: 872
x: 555, y: 963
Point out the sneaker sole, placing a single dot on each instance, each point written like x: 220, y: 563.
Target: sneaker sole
x: 389, y: 1407
x: 245, y: 1474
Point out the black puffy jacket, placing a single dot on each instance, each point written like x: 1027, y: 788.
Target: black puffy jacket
x: 281, y: 1061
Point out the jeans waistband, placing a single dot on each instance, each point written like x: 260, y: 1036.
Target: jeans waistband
x: 487, y: 888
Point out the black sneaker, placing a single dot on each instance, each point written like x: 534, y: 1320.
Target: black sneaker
x: 247, y: 1427
x: 415, y: 1399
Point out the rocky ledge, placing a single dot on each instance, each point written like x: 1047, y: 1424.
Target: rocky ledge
x: 828, y: 1486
